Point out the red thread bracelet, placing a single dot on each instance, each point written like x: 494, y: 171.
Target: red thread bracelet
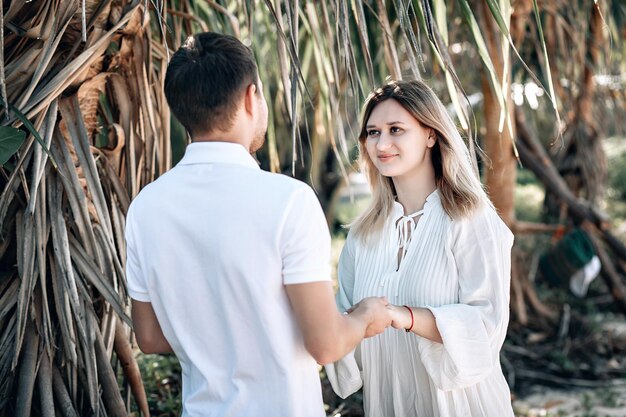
x: 412, y: 319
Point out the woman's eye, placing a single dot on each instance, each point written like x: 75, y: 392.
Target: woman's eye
x: 395, y: 129
x: 373, y: 132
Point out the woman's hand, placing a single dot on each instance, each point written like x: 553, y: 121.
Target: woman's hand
x: 423, y: 321
x: 400, y: 317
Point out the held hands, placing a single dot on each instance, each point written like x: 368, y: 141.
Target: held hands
x: 379, y: 314
x: 375, y: 312
x: 400, y: 317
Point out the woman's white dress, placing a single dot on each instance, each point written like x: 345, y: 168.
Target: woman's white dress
x: 460, y: 270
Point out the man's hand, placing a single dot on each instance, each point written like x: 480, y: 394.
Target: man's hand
x: 375, y: 313
x: 329, y: 335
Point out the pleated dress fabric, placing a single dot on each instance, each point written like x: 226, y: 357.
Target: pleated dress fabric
x: 460, y: 270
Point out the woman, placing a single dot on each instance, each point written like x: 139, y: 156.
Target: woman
x: 432, y: 243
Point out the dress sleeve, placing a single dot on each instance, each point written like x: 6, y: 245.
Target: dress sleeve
x: 345, y: 275
x: 344, y: 375
x: 473, y: 330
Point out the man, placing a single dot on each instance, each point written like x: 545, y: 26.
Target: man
x: 228, y: 265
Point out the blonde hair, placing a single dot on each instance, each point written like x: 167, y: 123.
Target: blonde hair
x: 460, y: 189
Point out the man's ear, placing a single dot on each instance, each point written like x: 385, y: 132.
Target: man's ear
x: 249, y: 99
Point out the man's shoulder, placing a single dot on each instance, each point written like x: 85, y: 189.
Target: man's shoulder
x: 153, y: 192
x: 272, y: 185
x: 282, y: 180
x: 283, y: 184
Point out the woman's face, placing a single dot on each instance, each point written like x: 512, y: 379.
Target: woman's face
x: 396, y: 142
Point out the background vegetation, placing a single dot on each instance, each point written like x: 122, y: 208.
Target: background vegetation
x: 84, y: 126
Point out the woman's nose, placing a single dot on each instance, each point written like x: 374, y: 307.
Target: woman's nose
x: 384, y: 142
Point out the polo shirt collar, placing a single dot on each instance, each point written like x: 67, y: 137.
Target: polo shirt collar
x: 218, y: 152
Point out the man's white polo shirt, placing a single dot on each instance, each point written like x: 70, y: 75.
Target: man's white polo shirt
x: 211, y: 244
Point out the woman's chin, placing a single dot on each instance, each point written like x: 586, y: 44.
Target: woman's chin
x: 387, y: 171
x: 390, y: 173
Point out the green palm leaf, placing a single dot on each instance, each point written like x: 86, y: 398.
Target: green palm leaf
x: 10, y: 141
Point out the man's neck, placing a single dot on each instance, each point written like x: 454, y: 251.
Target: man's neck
x: 220, y: 137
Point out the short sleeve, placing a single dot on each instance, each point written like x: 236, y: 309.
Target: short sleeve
x: 305, y: 241
x: 345, y: 275
x: 135, y: 279
x: 473, y: 330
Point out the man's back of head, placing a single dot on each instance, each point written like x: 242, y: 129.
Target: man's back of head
x: 206, y: 80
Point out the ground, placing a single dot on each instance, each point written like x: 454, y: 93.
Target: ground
x: 599, y: 402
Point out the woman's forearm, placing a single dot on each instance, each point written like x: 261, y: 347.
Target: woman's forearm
x: 423, y: 321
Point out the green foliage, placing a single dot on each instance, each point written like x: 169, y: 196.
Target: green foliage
x: 31, y: 129
x: 561, y: 359
x: 10, y: 141
x: 529, y: 202
x: 615, y: 148
x: 346, y: 211
x: 610, y: 398
x: 529, y: 196
x: 526, y: 177
x: 105, y: 120
x: 162, y: 380
x: 617, y: 176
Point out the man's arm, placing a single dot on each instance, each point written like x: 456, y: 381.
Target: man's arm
x: 329, y: 335
x: 148, y: 330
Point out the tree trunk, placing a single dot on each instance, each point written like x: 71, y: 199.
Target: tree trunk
x: 535, y: 158
x: 582, y: 162
x: 501, y: 169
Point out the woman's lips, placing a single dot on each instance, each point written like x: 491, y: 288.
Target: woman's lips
x: 386, y: 158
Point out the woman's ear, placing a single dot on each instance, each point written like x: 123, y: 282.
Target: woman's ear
x: 432, y: 138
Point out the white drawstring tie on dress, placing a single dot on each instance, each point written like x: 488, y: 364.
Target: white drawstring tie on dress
x: 405, y: 226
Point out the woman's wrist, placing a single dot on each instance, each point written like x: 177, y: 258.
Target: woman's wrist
x: 412, y: 318
x: 400, y: 316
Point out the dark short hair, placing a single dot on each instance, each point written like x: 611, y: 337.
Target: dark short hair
x: 206, y: 78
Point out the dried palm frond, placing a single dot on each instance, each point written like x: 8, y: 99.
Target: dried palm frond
x: 64, y: 307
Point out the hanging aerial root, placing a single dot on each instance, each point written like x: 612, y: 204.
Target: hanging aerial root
x: 130, y: 367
